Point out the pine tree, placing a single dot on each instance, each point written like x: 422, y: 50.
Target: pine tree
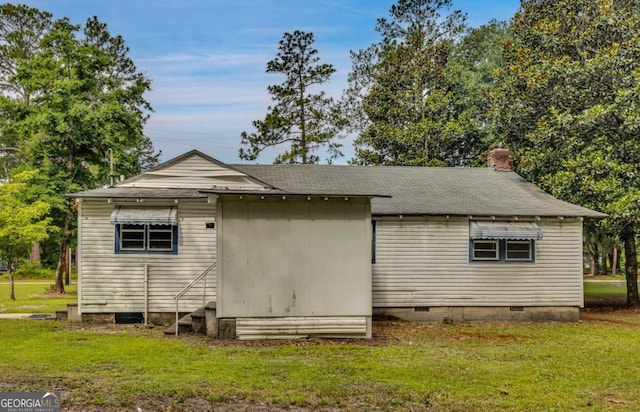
x: 301, y: 117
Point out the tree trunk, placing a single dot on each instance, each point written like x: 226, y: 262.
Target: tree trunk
x: 64, y: 246
x: 631, y: 265
x: 603, y: 264
x: 67, y: 266
x: 595, y: 258
x: 12, y: 290
x: 614, y: 261
x: 34, y: 257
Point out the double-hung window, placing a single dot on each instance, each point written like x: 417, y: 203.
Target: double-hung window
x: 485, y: 250
x: 145, y: 230
x: 497, y: 241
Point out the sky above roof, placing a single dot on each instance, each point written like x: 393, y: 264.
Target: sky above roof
x: 207, y: 59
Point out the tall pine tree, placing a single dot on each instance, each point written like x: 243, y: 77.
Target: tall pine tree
x: 302, y: 117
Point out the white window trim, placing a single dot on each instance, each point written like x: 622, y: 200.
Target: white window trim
x: 527, y: 259
x: 495, y: 249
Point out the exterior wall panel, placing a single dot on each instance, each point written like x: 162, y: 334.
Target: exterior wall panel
x: 294, y: 258
x: 112, y: 282
x: 425, y: 262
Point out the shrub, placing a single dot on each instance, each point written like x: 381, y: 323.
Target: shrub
x: 32, y: 271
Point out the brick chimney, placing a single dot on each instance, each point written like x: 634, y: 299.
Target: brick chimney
x: 500, y: 159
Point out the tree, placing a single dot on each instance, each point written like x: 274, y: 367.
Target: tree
x: 305, y: 120
x: 568, y: 102
x: 472, y: 63
x: 86, y: 97
x: 21, y: 30
x: 23, y: 221
x: 400, y: 89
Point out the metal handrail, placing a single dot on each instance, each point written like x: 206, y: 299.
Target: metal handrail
x: 187, y: 288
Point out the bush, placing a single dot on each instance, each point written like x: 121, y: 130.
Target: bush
x: 32, y: 271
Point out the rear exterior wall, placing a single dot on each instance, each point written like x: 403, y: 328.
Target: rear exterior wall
x: 110, y: 282
x: 424, y: 263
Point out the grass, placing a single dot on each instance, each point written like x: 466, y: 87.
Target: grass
x: 33, y: 296
x: 589, y: 365
x: 605, y: 293
x: 532, y: 366
x: 605, y: 288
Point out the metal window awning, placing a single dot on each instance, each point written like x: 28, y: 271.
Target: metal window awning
x: 504, y: 230
x: 147, y: 215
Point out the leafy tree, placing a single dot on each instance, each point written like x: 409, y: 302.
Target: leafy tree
x: 401, y: 89
x: 86, y: 97
x: 470, y: 73
x: 568, y: 102
x: 21, y: 30
x: 23, y: 221
x: 300, y: 118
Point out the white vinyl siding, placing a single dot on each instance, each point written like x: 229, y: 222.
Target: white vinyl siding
x: 425, y: 262
x: 193, y: 172
x: 297, y: 327
x: 112, y: 282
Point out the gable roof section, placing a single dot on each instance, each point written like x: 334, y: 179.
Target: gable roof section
x: 424, y: 190
x: 194, y: 170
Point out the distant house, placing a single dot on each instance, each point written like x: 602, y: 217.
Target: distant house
x: 318, y: 250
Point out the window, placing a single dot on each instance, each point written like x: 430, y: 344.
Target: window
x: 501, y: 250
x: 132, y: 237
x: 146, y: 238
x: 485, y: 250
x: 502, y: 241
x: 145, y: 230
x: 518, y: 250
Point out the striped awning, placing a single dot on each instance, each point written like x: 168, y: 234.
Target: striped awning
x: 504, y: 230
x: 146, y: 215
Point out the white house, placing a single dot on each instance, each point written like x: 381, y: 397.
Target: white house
x: 310, y: 250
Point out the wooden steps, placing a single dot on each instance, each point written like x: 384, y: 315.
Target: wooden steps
x: 196, y: 322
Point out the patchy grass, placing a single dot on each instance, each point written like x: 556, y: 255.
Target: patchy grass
x: 605, y: 288
x: 605, y: 293
x: 33, y: 296
x: 407, y: 366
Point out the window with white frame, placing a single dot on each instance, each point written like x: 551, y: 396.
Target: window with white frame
x: 145, y: 230
x: 502, y: 241
x: 519, y: 250
x: 146, y: 238
x: 485, y: 250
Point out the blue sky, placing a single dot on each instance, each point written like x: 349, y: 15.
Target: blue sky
x: 207, y: 59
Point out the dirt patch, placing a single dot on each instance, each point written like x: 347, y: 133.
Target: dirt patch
x: 607, y: 301
x: 613, y: 315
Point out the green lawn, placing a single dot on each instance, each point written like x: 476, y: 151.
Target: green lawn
x: 32, y: 296
x: 605, y: 293
x: 591, y: 365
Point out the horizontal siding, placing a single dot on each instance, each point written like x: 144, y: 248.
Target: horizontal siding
x: 113, y: 282
x: 290, y: 327
x: 426, y: 263
x: 193, y: 172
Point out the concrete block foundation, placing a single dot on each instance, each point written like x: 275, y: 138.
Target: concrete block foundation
x: 482, y: 313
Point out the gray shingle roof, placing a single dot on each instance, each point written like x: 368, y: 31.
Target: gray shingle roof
x: 422, y: 190
x: 408, y: 190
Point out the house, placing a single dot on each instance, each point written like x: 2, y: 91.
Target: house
x: 313, y: 250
